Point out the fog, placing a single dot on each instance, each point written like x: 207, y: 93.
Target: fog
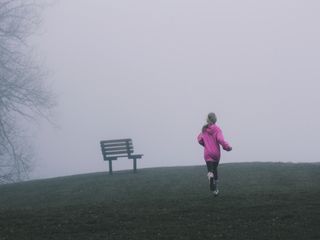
x: 152, y: 70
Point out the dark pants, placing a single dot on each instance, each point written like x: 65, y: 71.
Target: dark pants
x: 213, y: 167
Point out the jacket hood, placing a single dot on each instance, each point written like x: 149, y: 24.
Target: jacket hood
x: 211, y: 129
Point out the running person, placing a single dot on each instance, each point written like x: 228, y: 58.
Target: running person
x: 211, y: 138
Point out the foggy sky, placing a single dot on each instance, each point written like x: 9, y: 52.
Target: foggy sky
x: 152, y: 70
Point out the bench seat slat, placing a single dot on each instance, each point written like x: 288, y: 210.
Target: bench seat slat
x: 115, y: 157
x: 117, y: 152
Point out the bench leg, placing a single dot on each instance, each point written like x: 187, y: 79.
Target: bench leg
x: 134, y: 165
x: 110, y: 167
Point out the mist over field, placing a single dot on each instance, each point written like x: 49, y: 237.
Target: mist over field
x: 152, y: 70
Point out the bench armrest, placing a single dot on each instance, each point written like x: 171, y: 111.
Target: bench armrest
x: 135, y: 156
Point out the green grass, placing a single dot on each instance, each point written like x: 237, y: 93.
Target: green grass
x: 257, y: 201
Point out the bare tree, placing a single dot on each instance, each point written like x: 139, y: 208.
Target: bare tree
x: 22, y: 91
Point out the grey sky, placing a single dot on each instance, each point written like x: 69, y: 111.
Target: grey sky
x: 152, y: 70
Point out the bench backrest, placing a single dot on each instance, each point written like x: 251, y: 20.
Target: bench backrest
x: 116, y: 148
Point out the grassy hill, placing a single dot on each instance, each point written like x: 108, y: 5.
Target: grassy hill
x: 256, y: 201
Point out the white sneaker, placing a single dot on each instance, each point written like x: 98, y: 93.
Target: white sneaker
x: 210, y: 175
x: 216, y: 192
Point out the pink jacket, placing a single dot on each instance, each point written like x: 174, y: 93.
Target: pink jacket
x: 211, y: 139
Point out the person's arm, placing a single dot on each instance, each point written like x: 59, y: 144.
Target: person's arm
x: 225, y: 145
x: 200, y: 139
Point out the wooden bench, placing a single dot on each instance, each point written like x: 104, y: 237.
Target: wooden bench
x: 117, y: 148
